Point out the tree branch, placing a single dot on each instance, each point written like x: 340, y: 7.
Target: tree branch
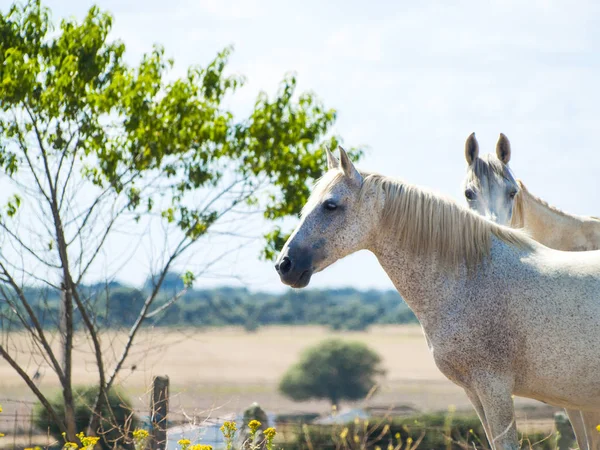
x: 36, y: 323
x: 34, y: 389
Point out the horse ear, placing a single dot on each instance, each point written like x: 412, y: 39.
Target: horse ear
x: 471, y: 149
x: 348, y: 168
x: 503, y: 149
x: 332, y: 161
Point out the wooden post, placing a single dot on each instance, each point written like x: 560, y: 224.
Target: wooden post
x: 159, y: 408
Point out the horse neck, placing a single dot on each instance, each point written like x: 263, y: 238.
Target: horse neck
x: 556, y: 229
x: 423, y: 283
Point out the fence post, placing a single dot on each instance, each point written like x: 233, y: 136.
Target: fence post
x: 159, y: 408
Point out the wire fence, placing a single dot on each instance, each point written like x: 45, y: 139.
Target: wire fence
x: 298, y: 430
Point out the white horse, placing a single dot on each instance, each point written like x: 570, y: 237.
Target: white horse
x: 502, y: 314
x: 492, y: 191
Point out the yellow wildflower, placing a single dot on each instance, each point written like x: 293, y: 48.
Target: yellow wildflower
x: 184, y: 443
x: 71, y: 445
x: 377, y: 447
x: 2, y: 435
x: 87, y: 441
x: 228, y: 429
x: 0, y: 408
x: 408, y: 441
x: 598, y: 427
x: 390, y: 447
x: 140, y: 434
x: 254, y: 425
x: 201, y: 447
x: 270, y: 433
x: 397, y: 435
x: 356, y: 439
x: 344, y: 433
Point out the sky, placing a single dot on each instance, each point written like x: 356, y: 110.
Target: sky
x: 410, y: 80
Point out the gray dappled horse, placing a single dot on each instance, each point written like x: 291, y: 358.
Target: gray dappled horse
x: 502, y: 314
x: 492, y: 191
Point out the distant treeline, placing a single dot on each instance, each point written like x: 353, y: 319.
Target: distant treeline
x: 117, y: 306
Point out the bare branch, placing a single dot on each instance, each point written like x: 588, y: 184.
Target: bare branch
x: 34, y: 389
x: 36, y: 323
x: 62, y: 158
x: 100, y: 244
x: 138, y: 323
x: 66, y: 183
x: 167, y: 304
x: 24, y: 149
x: 26, y: 247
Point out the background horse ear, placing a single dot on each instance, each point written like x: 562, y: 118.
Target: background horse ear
x: 332, y: 161
x: 503, y: 149
x: 471, y: 149
x: 348, y: 168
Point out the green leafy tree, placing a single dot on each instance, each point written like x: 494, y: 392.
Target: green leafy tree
x: 335, y: 370
x: 93, y: 148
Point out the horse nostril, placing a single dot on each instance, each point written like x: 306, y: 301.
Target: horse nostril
x: 285, y: 266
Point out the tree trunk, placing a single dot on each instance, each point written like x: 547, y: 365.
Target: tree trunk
x: 66, y: 332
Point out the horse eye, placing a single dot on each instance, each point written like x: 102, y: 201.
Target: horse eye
x: 512, y: 194
x: 470, y: 194
x: 329, y: 205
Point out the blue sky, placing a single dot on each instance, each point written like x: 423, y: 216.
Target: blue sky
x: 410, y: 80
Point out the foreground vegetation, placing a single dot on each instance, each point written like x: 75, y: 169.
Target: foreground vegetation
x: 440, y: 431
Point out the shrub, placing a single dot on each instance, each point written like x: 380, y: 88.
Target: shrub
x: 437, y: 431
x: 333, y: 370
x: 117, y: 421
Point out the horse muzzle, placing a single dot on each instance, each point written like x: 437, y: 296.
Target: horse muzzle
x: 294, y: 268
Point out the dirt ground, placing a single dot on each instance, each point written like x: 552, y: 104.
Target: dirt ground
x: 224, y: 370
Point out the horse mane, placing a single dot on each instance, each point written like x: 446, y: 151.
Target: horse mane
x: 426, y: 223
x: 518, y: 221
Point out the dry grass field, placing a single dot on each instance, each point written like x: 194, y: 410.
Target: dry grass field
x: 226, y: 369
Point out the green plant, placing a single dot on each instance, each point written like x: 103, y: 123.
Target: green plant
x: 229, y: 430
x: 436, y: 431
x: 140, y: 439
x: 117, y: 417
x: 335, y: 370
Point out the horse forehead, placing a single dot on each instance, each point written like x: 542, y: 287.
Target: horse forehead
x: 491, y: 174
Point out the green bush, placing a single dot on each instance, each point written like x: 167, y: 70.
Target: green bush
x: 117, y: 423
x: 335, y: 370
x: 439, y: 431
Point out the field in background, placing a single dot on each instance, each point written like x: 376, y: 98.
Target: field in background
x: 226, y: 369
